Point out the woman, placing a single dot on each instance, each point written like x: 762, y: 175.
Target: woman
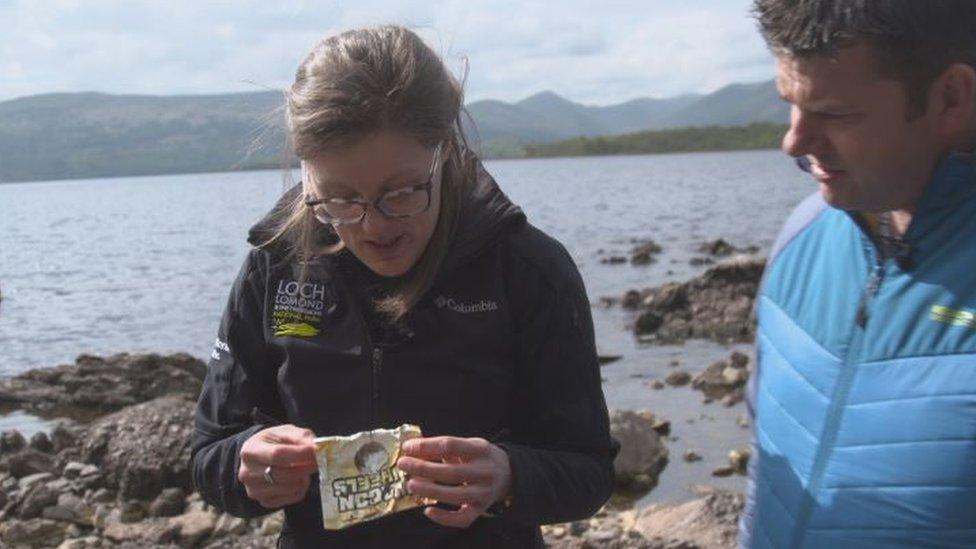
x: 398, y: 285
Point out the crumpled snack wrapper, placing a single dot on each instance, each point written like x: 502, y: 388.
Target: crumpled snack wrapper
x: 358, y: 479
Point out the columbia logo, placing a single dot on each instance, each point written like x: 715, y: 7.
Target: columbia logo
x: 483, y: 306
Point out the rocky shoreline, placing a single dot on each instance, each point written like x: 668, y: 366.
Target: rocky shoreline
x: 113, y: 471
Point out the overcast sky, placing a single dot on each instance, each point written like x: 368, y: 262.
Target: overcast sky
x: 589, y: 51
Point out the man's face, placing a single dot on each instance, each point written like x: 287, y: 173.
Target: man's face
x: 851, y: 124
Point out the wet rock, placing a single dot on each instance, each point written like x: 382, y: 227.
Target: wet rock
x: 608, y: 359
x: 11, y: 441
x: 691, y: 456
x: 631, y: 300
x: 614, y: 260
x: 144, y: 448
x: 742, y: 421
x: 710, y: 521
x: 657, y: 384
x: 722, y: 248
x: 725, y: 379
x: 644, y: 251
x: 739, y: 461
x: 31, y: 533
x: 643, y: 454
x: 724, y: 471
x: 41, y: 443
x: 717, y: 305
x: 678, y: 378
x: 94, y: 386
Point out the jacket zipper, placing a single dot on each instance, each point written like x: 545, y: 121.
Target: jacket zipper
x: 842, y: 390
x: 376, y: 363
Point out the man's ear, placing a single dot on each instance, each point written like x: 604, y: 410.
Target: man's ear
x: 952, y: 100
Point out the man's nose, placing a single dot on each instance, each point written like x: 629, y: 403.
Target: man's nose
x: 803, y: 136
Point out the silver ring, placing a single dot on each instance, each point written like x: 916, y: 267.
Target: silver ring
x: 268, y: 477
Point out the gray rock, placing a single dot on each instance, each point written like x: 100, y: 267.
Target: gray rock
x: 72, y: 470
x: 739, y: 460
x: 642, y: 449
x: 716, y: 305
x: 194, y: 526
x: 87, y: 542
x: 27, y: 482
x: 710, y: 521
x: 132, y: 511
x: 64, y: 436
x: 229, y: 526
x: 11, y: 441
x: 144, y: 448
x: 36, y: 499
x: 27, y: 462
x: 168, y: 503
x: 41, y: 442
x: 32, y: 533
x: 94, y: 386
x: 102, y: 495
x: 725, y: 379
x: 678, y: 378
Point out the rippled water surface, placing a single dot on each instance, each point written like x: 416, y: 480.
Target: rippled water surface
x: 145, y: 264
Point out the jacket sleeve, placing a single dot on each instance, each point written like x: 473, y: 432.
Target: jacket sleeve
x: 561, y: 452
x: 241, y: 376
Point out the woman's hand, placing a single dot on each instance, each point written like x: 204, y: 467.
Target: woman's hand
x: 468, y: 472
x: 289, y: 452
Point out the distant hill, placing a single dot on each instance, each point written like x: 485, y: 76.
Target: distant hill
x: 58, y: 136
x: 688, y: 139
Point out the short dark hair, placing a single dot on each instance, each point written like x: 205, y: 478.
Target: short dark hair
x: 914, y: 40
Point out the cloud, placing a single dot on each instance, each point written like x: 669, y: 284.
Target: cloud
x: 591, y: 53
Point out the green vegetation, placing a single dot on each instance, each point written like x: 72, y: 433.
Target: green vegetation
x: 711, y: 138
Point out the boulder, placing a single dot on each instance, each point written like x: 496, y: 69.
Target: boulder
x: 94, y: 386
x: 643, y: 454
x: 31, y: 533
x: 710, y: 521
x: 144, y: 448
x: 717, y: 305
x: 725, y: 379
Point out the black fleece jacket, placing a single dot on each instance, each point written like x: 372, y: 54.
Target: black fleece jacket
x: 501, y: 347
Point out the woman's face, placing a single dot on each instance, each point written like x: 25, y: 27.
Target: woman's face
x: 369, y: 168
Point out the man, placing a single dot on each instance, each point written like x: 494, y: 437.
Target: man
x: 864, y: 402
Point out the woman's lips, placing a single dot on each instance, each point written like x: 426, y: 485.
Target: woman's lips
x: 384, y: 248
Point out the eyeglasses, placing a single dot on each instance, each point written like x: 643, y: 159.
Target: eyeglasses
x: 397, y: 204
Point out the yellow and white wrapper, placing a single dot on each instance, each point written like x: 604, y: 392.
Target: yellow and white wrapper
x: 358, y: 479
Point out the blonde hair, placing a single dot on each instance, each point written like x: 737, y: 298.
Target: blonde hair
x: 353, y: 85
